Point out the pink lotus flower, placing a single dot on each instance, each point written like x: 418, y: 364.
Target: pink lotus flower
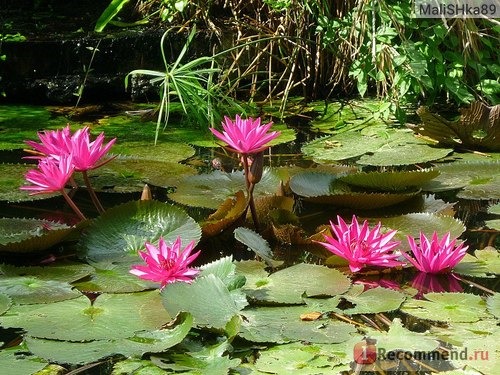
x: 52, y: 175
x: 245, y: 136
x: 361, y: 246
x: 434, y: 255
x: 53, y: 143
x: 86, y: 154
x: 166, y: 264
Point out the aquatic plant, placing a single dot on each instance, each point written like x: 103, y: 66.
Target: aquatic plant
x: 167, y: 264
x: 362, y: 246
x: 248, y: 138
x: 435, y: 255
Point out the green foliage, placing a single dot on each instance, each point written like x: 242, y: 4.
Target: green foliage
x: 109, y: 13
x: 407, y: 59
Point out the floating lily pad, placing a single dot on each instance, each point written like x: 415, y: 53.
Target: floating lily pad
x: 493, y: 303
x: 20, y: 362
x: 169, y: 152
x: 136, y: 345
x: 478, y: 180
x: 254, y: 242
x: 494, y: 209
x: 373, y: 300
x: 289, y: 286
x: 210, y: 190
x: 382, y: 146
x: 390, y: 181
x: 283, y: 324
x: 31, y: 290
x: 447, y: 307
x: 122, y: 230
x: 18, y: 235
x: 5, y: 303
x: 114, y: 278
x: 207, y: 298
x: 231, y: 210
x: 325, y: 188
x: 484, y: 263
x: 111, y: 316
x: 62, y: 271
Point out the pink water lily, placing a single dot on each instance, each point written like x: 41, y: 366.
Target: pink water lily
x: 86, y: 154
x: 51, y: 176
x: 53, y: 143
x: 435, y: 255
x: 167, y: 264
x: 362, y: 246
x: 245, y: 136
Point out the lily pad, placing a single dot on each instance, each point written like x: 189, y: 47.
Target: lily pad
x: 493, y: 303
x: 210, y: 190
x: 62, y: 271
x: 122, y: 230
x: 283, y: 324
x: 111, y: 316
x: 372, y: 301
x: 5, y: 303
x: 324, y: 188
x: 447, y: 307
x: 19, y: 235
x: 31, y: 290
x: 484, y: 263
x: 207, y: 298
x: 136, y: 345
x: 391, y: 180
x: 288, y: 286
x: 20, y: 362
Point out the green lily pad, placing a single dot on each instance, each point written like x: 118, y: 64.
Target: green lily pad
x: 61, y: 271
x: 5, y: 303
x: 478, y: 180
x: 325, y: 188
x: 484, y: 263
x: 447, y: 307
x: 111, y: 316
x: 169, y: 152
x: 114, y: 278
x: 122, y: 230
x: 409, y: 153
x: 493, y: 224
x: 373, y: 300
x: 494, y: 209
x: 31, y: 290
x: 211, y: 190
x: 198, y: 298
x: 479, y: 353
x: 283, y: 324
x: 255, y: 242
x: 19, y: 362
x: 206, y: 359
x: 19, y: 235
x: 391, y: 180
x: 288, y: 286
x: 136, y: 345
x: 493, y: 303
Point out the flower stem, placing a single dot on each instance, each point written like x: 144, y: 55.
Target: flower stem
x: 250, y: 186
x: 73, y: 205
x: 92, y: 193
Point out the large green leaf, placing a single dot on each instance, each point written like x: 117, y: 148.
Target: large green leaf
x: 60, y: 271
x: 484, y: 263
x: 373, y: 300
x: 122, y: 230
x: 19, y: 362
x: 136, y: 345
x: 31, y: 290
x: 289, y: 286
x: 447, y: 307
x: 283, y: 324
x: 19, y: 235
x: 111, y: 316
x: 5, y: 303
x: 207, y: 298
x: 210, y: 190
x: 390, y: 180
x: 325, y: 188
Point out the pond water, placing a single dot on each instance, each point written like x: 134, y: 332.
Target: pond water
x: 285, y: 277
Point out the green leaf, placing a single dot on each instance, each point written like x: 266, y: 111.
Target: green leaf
x: 19, y: 362
x: 111, y: 316
x: 255, y: 242
x: 283, y: 324
x: 60, y: 271
x: 447, y: 307
x: 109, y: 13
x: 485, y: 263
x: 373, y: 300
x: 122, y: 230
x: 136, y: 345
x: 211, y: 190
x: 493, y: 303
x: 31, y: 290
x: 207, y: 298
x: 289, y: 285
x: 5, y: 303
